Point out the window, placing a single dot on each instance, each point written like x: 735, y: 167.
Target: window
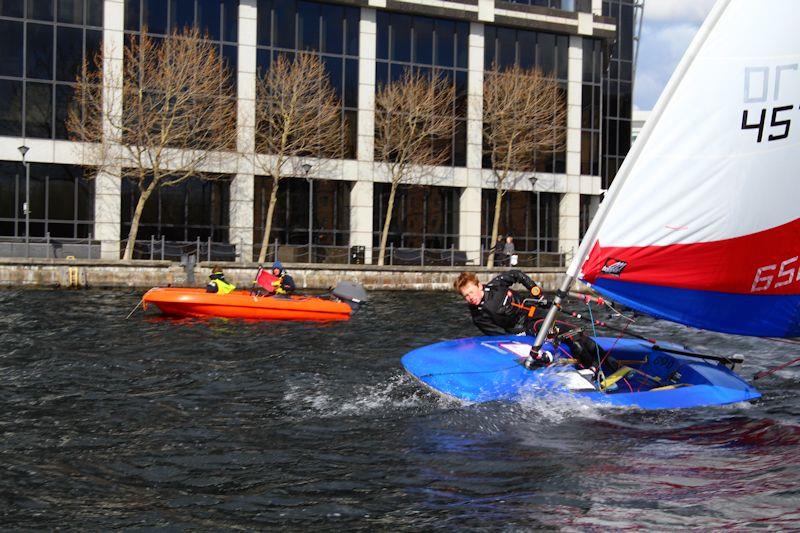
x: 331, y: 31
x: 217, y: 18
x: 505, y: 47
x: 429, y: 45
x: 330, y: 221
x: 44, y: 44
x: 530, y: 217
x: 617, y: 90
x: 591, y: 106
x: 422, y: 216
x: 61, y: 201
x: 194, y: 209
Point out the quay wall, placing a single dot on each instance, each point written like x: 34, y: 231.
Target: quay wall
x: 146, y: 274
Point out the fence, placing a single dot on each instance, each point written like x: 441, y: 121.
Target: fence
x: 201, y: 250
x: 49, y: 248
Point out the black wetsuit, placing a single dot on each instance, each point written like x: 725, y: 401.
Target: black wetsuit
x: 495, y: 315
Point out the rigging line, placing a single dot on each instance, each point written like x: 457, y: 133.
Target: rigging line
x: 784, y: 341
x: 770, y: 371
x: 596, y: 347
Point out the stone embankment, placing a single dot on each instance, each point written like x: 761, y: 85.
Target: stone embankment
x: 144, y: 274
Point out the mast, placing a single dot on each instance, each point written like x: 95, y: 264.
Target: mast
x: 624, y: 172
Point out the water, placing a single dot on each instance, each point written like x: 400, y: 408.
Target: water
x: 190, y: 424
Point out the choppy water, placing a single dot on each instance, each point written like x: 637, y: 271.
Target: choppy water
x: 158, y: 423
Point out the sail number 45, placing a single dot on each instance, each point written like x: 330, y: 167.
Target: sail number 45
x: 765, y: 276
x: 780, y: 123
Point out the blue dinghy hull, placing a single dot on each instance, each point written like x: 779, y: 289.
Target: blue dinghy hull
x: 484, y: 369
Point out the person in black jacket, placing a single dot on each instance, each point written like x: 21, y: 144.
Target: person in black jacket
x: 495, y: 308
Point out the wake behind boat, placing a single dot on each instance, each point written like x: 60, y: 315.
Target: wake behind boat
x: 193, y: 302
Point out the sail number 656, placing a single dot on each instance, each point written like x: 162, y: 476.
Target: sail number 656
x: 786, y: 273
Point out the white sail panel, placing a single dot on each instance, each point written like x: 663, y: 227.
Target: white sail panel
x: 701, y: 176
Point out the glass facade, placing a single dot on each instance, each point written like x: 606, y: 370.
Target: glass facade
x: 584, y: 6
x: 329, y: 30
x: 218, y: 19
x: 530, y: 217
x: 618, y: 90
x: 591, y: 111
x: 429, y: 46
x: 330, y: 220
x: 505, y: 47
x: 61, y: 201
x: 422, y: 216
x: 185, y: 212
x: 44, y: 44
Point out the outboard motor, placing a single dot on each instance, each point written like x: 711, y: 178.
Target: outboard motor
x: 351, y: 293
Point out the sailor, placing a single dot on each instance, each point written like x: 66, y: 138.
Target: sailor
x: 495, y: 308
x: 284, y: 284
x: 218, y: 284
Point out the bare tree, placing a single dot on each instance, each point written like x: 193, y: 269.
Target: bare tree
x: 413, y: 116
x: 524, y: 117
x: 298, y: 115
x: 174, y: 110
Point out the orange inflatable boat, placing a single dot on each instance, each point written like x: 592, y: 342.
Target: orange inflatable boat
x: 241, y: 304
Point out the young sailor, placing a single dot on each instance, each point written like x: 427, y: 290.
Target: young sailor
x: 495, y: 308
x: 218, y: 284
x: 284, y: 284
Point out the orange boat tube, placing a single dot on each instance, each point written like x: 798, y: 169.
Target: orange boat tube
x: 241, y: 304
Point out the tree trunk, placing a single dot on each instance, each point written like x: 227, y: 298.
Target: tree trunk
x: 137, y: 215
x: 386, y: 223
x: 273, y: 199
x: 495, y: 226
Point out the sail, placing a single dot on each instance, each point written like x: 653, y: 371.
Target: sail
x: 705, y: 230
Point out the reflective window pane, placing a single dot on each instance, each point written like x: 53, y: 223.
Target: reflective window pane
x: 332, y: 28
x: 308, y: 30
x: 11, y: 8
x: 94, y: 12
x: 352, y: 16
x: 38, y: 110
x: 40, y: 9
x: 70, y: 11
x: 11, y: 110
x: 284, y: 24
x: 423, y: 40
x: 154, y: 15
x: 208, y: 17
x: 444, y: 43
x: 39, y: 49
x: 264, y: 31
x: 230, y: 20
x: 11, y: 45
x: 64, y: 100
x: 181, y: 14
x: 401, y: 38
x: 69, y: 53
x: 132, y: 14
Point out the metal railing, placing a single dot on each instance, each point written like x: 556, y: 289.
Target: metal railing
x: 50, y: 248
x: 164, y: 250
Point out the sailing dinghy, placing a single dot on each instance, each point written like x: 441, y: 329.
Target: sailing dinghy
x: 701, y: 227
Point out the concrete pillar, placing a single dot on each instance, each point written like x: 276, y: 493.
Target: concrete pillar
x: 361, y: 217
x: 242, y: 187
x: 597, y: 7
x: 108, y: 199
x: 367, y: 46
x: 569, y: 207
x: 361, y: 193
x: 470, y: 202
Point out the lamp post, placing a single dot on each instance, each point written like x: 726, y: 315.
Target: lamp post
x: 26, y: 206
x: 306, y: 168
